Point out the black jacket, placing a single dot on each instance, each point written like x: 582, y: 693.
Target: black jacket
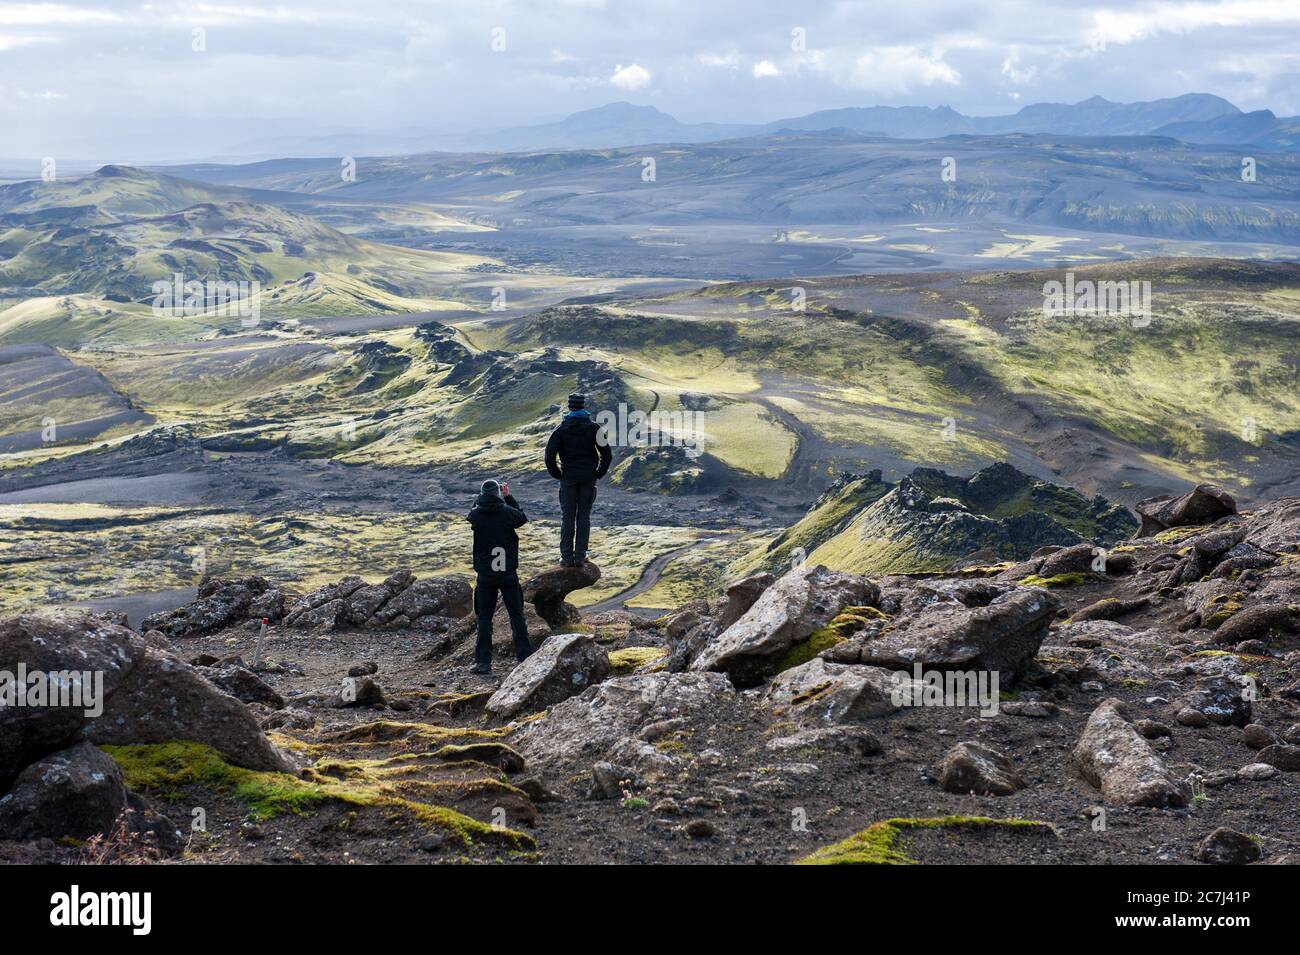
x: 581, y: 456
x: 494, y: 522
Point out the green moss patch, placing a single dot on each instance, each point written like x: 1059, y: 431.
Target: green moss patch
x: 846, y: 623
x: 167, y: 769
x: 1056, y: 580
x: 881, y: 843
x: 633, y: 658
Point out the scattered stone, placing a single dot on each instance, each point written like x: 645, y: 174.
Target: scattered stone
x: 1220, y: 700
x: 1259, y: 623
x: 1002, y: 637
x: 1257, y: 736
x: 586, y: 725
x: 1258, y: 772
x: 850, y: 739
x: 431, y: 842
x: 1192, y: 718
x: 1152, y: 729
x: 701, y: 829
x: 822, y: 692
x: 359, y: 691
x: 1227, y: 847
x: 1033, y: 709
x: 971, y: 767
x: 1285, y: 756
x: 364, y: 669
x: 244, y: 685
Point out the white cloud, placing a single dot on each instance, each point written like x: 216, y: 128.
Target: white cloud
x: 721, y: 60
x: 47, y: 14
x: 765, y: 68
x: 898, y: 69
x: 630, y: 77
x: 1017, y: 74
x: 1130, y: 25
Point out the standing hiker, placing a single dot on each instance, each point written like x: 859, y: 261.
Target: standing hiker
x: 494, y: 517
x: 584, y: 457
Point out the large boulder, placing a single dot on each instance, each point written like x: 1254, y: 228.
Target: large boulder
x: 548, y: 590
x: 163, y: 698
x: 57, y: 642
x: 1002, y: 637
x: 148, y: 695
x: 742, y: 595
x: 1114, y: 757
x: 788, y: 612
x: 75, y: 793
x: 587, y: 725
x: 1203, y: 504
x: 822, y: 693
x: 565, y: 665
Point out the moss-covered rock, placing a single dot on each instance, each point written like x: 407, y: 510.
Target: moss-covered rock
x: 882, y: 843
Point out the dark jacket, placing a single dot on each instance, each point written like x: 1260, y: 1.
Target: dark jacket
x: 494, y: 522
x: 581, y: 456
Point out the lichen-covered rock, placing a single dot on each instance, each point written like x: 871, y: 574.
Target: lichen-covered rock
x: 823, y: 693
x: 971, y: 767
x: 1202, y: 505
x: 76, y: 793
x: 587, y: 725
x: 432, y: 597
x: 1002, y: 637
x: 742, y: 595
x: 788, y: 611
x: 1114, y: 757
x: 220, y: 603
x: 163, y: 698
x: 564, y: 666
x: 1221, y: 700
x: 53, y: 642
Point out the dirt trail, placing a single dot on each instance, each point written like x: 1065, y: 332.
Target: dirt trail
x: 650, y: 575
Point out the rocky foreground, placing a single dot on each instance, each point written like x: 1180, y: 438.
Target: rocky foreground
x: 1084, y: 705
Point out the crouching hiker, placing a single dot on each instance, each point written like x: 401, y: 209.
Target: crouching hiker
x: 494, y: 517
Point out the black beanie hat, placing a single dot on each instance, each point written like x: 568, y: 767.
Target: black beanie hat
x: 577, y: 402
x: 491, y: 488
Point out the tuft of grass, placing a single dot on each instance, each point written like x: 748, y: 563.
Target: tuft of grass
x: 633, y: 658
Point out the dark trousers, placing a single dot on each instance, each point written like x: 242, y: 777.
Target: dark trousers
x: 576, y: 498
x: 485, y: 605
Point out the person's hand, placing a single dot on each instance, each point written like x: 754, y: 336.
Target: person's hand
x: 505, y: 489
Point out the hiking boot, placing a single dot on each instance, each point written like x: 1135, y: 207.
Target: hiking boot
x: 481, y: 671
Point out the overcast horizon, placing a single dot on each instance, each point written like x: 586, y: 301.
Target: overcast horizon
x: 157, y: 81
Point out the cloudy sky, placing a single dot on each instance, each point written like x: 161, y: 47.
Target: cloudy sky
x: 113, y: 79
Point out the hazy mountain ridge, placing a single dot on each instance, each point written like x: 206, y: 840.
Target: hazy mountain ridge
x: 1192, y: 117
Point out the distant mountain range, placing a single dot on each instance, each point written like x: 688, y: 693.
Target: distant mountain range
x: 1197, y: 118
